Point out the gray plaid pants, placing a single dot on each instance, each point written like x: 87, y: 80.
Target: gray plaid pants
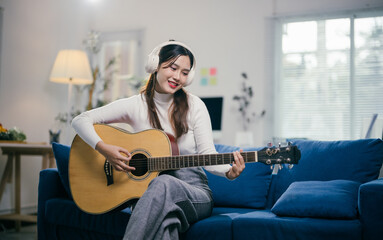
x: 173, y: 201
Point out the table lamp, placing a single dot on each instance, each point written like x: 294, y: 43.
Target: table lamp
x: 71, y: 67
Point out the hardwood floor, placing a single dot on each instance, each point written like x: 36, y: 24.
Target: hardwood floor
x: 26, y: 233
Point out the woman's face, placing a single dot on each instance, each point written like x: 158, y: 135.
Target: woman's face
x: 171, y: 78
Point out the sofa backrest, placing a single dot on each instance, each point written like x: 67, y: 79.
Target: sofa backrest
x: 356, y: 160
x: 249, y: 190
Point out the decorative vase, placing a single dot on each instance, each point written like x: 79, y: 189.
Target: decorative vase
x: 54, y: 136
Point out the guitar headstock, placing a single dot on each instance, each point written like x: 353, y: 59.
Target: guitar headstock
x: 279, y: 155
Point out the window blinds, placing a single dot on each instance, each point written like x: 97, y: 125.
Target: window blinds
x: 329, y: 77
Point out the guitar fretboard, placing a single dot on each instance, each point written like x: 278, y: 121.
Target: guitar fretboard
x: 185, y: 161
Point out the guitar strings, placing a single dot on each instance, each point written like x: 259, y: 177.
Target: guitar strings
x: 185, y: 157
x: 145, y: 161
x: 164, y: 162
x: 140, y: 160
x: 226, y: 158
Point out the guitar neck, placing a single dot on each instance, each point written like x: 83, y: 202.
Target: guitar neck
x: 186, y: 161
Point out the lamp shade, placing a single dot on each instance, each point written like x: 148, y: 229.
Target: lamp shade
x: 71, y: 66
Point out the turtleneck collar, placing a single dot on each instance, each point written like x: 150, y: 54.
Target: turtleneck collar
x: 163, y: 97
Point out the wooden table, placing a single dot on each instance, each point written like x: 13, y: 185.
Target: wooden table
x: 14, y: 151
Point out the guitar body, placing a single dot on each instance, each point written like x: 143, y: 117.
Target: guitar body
x: 87, y: 175
x: 97, y: 188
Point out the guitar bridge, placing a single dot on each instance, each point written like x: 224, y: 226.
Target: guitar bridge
x: 108, y: 169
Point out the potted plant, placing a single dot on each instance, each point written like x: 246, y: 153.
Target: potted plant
x: 247, y: 114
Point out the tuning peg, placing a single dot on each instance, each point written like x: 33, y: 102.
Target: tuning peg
x: 291, y: 166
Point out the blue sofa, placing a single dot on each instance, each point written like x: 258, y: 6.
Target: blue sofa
x: 333, y: 193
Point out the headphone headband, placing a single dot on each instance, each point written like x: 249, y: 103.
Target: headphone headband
x: 153, y: 60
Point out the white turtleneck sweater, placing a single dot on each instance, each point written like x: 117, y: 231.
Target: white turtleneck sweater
x: 134, y: 111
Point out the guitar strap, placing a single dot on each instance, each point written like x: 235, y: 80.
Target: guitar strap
x: 108, y: 169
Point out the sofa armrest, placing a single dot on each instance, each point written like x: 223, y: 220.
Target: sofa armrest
x: 371, y: 209
x: 50, y: 186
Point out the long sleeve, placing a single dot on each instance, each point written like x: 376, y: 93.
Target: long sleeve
x: 112, y: 113
x: 201, y: 126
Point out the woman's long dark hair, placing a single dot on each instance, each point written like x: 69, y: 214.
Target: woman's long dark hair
x: 180, y: 105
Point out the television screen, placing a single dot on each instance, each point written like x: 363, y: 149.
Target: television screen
x: 214, y: 106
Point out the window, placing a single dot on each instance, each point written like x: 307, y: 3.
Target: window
x: 329, y: 76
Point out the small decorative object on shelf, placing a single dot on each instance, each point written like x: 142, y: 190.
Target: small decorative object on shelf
x: 54, y: 136
x: 13, y: 134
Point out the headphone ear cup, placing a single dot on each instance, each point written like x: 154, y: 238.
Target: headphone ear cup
x: 190, y: 77
x: 152, y: 63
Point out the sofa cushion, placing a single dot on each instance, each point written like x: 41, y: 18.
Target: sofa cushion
x: 249, y: 190
x: 323, y: 199
x: 217, y: 226
x: 370, y: 208
x: 61, y: 153
x: 355, y: 160
x: 64, y: 212
x: 263, y: 224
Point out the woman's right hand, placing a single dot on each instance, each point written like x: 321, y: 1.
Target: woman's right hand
x: 117, y: 156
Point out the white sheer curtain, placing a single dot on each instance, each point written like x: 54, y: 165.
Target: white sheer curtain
x: 328, y: 75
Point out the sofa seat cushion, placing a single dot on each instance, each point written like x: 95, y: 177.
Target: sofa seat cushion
x: 71, y: 233
x: 263, y: 224
x: 249, y: 190
x: 217, y: 226
x: 64, y: 212
x: 324, y: 199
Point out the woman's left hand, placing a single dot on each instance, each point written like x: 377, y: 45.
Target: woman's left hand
x: 237, y: 167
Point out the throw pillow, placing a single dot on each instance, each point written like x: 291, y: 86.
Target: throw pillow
x: 248, y: 190
x: 61, y: 153
x: 336, y: 199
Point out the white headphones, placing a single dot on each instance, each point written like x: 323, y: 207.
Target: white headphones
x: 153, y: 60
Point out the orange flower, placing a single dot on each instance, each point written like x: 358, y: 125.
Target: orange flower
x: 2, y: 129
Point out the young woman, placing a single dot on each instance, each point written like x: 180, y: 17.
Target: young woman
x: 176, y: 198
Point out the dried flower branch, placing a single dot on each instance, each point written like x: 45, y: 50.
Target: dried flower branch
x: 244, y: 100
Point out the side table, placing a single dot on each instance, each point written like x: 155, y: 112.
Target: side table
x: 14, y: 150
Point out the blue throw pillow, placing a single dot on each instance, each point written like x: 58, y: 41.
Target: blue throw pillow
x: 61, y: 153
x: 248, y: 190
x: 336, y: 199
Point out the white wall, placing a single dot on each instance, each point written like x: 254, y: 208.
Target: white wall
x: 229, y: 35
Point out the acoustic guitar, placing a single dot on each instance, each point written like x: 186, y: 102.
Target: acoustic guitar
x: 97, y: 189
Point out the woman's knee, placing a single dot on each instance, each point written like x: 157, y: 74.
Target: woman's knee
x: 163, y: 181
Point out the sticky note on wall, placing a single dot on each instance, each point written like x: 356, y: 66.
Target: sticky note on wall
x: 208, y: 76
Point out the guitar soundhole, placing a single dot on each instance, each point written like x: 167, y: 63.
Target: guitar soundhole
x: 139, y: 161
